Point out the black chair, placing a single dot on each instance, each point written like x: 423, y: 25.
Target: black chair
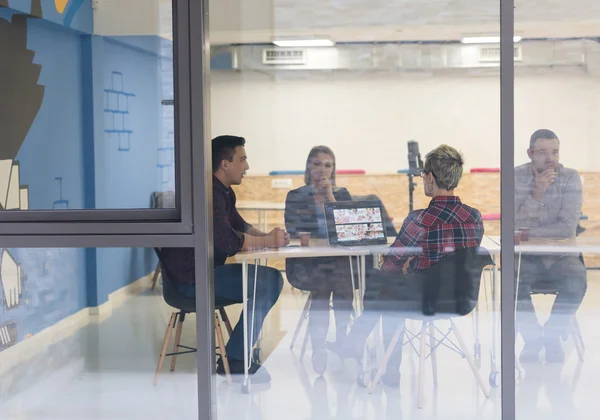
x: 186, y: 306
x: 547, y: 287
x: 450, y: 290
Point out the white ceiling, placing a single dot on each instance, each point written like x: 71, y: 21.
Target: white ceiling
x: 251, y: 21
x: 257, y: 21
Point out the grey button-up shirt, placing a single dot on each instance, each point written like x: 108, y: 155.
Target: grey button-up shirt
x: 558, y: 213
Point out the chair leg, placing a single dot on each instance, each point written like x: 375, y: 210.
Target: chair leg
x: 165, y: 346
x: 433, y: 345
x: 421, y: 380
x: 222, y: 349
x: 303, y: 317
x: 304, y: 345
x: 225, y: 319
x: 382, y: 366
x: 155, y: 277
x: 577, y: 341
x: 181, y: 318
x: 470, y: 360
x: 578, y: 331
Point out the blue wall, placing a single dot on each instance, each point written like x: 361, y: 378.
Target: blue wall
x: 68, y: 139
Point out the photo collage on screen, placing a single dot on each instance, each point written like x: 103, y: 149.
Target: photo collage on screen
x: 358, y: 224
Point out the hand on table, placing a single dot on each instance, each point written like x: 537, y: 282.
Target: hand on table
x: 278, y: 238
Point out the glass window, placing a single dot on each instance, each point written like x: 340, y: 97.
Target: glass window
x: 82, y: 331
x: 556, y: 87
x: 329, y: 117
x: 85, y: 121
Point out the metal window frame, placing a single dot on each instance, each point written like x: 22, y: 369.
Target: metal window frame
x: 507, y: 205
x: 131, y: 221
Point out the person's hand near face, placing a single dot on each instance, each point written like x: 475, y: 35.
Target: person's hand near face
x: 321, y: 171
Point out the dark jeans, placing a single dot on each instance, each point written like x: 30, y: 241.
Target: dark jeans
x: 392, y: 297
x: 326, y: 278
x: 569, y: 276
x: 228, y: 285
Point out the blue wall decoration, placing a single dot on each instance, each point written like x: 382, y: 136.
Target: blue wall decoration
x: 116, y: 108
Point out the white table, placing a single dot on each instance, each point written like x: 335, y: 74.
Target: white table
x: 293, y: 251
x: 262, y: 207
x: 318, y: 248
x: 537, y: 246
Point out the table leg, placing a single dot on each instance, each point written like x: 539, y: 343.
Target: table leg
x: 256, y: 264
x: 494, y: 369
x: 246, y: 383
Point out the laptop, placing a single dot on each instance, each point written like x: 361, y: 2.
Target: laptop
x: 355, y: 223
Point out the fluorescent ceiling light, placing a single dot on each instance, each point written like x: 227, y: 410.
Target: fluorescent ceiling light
x: 486, y: 39
x: 303, y: 43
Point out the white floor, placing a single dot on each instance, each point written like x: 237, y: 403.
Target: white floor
x: 112, y: 377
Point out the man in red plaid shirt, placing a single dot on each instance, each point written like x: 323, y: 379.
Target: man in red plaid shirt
x: 426, y: 236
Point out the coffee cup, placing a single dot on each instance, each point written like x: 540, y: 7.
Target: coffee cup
x: 304, y: 238
x: 517, y: 237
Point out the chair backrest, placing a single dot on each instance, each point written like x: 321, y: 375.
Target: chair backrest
x: 390, y: 229
x: 171, y: 295
x: 452, y: 285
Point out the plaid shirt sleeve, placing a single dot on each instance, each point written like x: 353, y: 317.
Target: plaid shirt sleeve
x: 409, y: 236
x: 228, y: 237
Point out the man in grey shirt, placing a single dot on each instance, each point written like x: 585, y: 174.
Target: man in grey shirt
x: 548, y: 199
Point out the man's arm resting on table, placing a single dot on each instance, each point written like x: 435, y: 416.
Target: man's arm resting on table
x: 252, y: 231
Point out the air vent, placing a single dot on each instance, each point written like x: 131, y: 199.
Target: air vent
x: 284, y: 56
x: 492, y: 54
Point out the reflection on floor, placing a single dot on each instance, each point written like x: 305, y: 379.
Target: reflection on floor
x: 112, y: 377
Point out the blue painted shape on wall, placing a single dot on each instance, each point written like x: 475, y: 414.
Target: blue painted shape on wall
x: 166, y: 163
x: 55, y: 140
x: 116, y: 108
x: 61, y: 203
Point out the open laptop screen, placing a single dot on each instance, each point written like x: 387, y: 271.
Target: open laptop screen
x: 352, y: 223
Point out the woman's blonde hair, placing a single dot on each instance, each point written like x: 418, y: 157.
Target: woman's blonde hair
x: 446, y: 163
x: 314, y: 152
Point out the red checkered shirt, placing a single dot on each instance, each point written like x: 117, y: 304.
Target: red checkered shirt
x: 443, y: 227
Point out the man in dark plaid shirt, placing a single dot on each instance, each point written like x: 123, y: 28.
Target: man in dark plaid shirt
x: 426, y: 236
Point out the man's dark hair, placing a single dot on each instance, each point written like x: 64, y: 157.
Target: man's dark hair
x: 541, y: 134
x: 223, y: 148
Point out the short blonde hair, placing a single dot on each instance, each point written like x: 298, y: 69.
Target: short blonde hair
x: 446, y: 163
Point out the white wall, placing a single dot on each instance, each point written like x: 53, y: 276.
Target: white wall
x: 367, y: 118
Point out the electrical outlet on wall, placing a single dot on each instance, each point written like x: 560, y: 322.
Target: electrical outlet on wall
x: 283, y: 183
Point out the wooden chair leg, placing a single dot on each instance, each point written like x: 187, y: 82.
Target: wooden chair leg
x: 303, y: 317
x: 382, y: 366
x: 155, y: 277
x: 225, y: 319
x: 165, y: 346
x: 421, y: 380
x: 470, y: 360
x: 177, y: 341
x: 433, y: 344
x: 221, y: 343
